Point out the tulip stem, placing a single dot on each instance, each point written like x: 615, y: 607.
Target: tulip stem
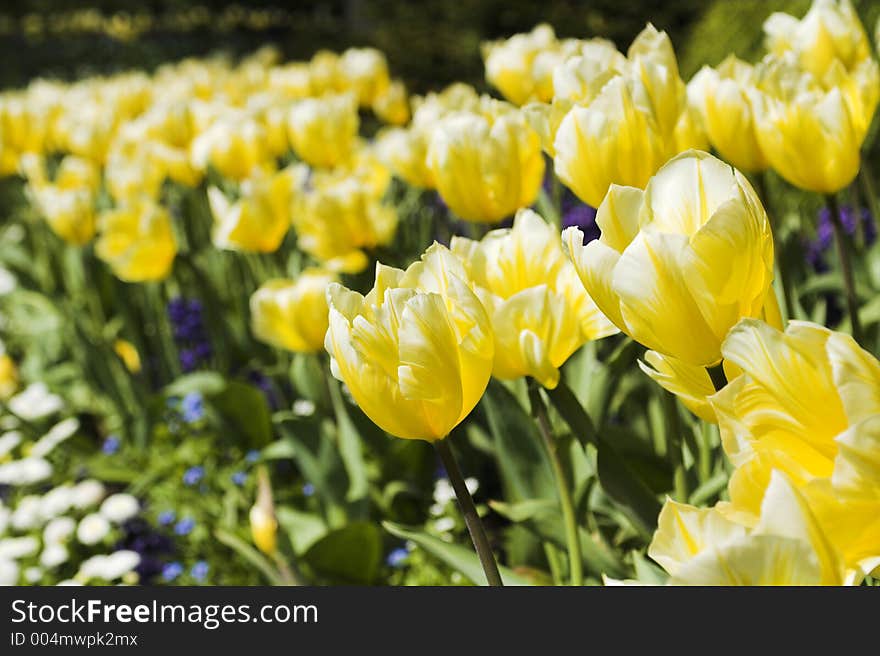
x: 719, y: 378
x: 784, y: 280
x: 539, y: 411
x: 866, y: 177
x: 471, y: 518
x: 849, y: 284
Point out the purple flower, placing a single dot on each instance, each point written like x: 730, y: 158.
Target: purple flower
x: 166, y: 517
x: 583, y: 217
x: 397, y: 558
x: 184, y: 526
x: 308, y: 489
x: 188, y: 360
x: 252, y: 456
x: 200, y: 570
x: 239, y: 478
x: 171, y: 571
x: 110, y: 445
x: 193, y: 475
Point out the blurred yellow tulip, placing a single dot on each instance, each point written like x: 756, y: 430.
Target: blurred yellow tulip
x: 292, y: 314
x: 137, y: 241
x: 365, y: 71
x: 721, y: 98
x: 323, y: 131
x: 416, y: 352
x: 809, y: 135
x: 708, y: 547
x: 392, y: 105
x: 128, y: 354
x: 8, y: 377
x: 335, y: 222
x: 259, y: 219
x: 69, y: 212
x: 677, y: 265
x: 264, y: 525
x: 488, y: 165
x: 540, y: 312
x: 234, y: 145
x: 405, y: 151
x: 830, y: 30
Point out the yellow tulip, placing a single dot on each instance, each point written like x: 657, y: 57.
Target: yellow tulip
x: 580, y: 78
x: 365, y: 71
x: 8, y: 377
x: 292, y: 314
x: 831, y: 30
x: 128, y: 354
x: 521, y: 67
x: 69, y: 212
x: 540, y: 312
x: 264, y: 525
x: 486, y: 166
x: 708, y: 547
x: 137, y: 241
x: 335, y: 222
x: 722, y: 101
x: 77, y: 173
x: 405, y: 151
x: 677, y: 265
x: 809, y: 135
x: 392, y: 105
x: 259, y: 219
x: 325, y: 75
x: 416, y: 352
x: 323, y: 131
x: 234, y: 145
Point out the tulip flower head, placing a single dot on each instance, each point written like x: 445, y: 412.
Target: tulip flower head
x: 678, y: 264
x: 486, y: 165
x: 416, y: 352
x: 540, y: 312
x: 323, y: 131
x: 137, y: 241
x: 292, y: 314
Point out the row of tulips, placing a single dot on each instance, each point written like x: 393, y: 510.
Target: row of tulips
x: 168, y: 172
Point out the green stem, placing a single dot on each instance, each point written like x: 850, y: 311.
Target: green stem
x: 471, y: 518
x: 539, y: 411
x: 849, y: 284
x: 719, y: 378
x: 866, y: 179
x: 784, y: 279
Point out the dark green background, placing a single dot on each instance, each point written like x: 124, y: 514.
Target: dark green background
x: 429, y: 43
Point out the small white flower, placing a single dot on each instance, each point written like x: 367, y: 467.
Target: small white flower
x: 27, y: 513
x: 8, y: 441
x: 7, y: 281
x: 87, y: 493
x: 303, y: 408
x: 56, y: 435
x: 444, y: 524
x: 56, y: 501
x: 70, y: 582
x: 8, y: 572
x: 92, y: 529
x: 35, y: 402
x: 12, y: 548
x: 25, y: 471
x: 443, y: 491
x: 120, y: 507
x: 59, y: 530
x: 437, y: 509
x: 472, y: 484
x: 108, y: 567
x: 54, y: 555
x: 33, y: 574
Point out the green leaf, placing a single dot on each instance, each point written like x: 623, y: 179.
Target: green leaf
x: 460, y: 558
x: 249, y: 554
x: 573, y: 413
x: 303, y: 529
x: 351, y: 554
x: 622, y: 484
x: 522, y: 460
x: 244, y: 407
x: 350, y: 447
x: 209, y: 383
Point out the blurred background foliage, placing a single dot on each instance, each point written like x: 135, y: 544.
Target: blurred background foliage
x: 429, y: 43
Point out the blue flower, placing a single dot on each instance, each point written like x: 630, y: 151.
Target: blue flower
x: 193, y: 475
x: 111, y: 445
x: 184, y: 526
x: 252, y: 456
x: 171, y: 571
x: 308, y: 489
x: 167, y: 517
x: 239, y: 478
x: 192, y: 407
x: 397, y: 558
x: 200, y: 570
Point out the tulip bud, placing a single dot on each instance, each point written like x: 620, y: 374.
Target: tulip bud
x: 292, y: 314
x: 677, y: 265
x: 416, y: 352
x: 540, y: 312
x: 128, y: 354
x: 264, y: 526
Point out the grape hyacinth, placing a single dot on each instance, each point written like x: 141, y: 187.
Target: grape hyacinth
x: 851, y: 218
x: 194, y: 347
